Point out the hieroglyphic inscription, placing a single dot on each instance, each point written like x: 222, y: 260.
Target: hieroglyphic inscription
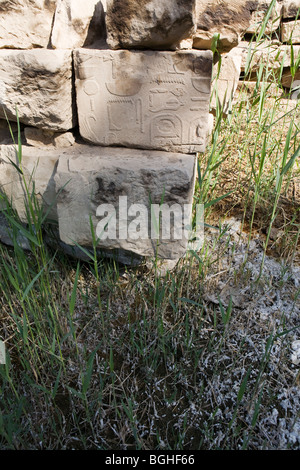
x: 144, y: 99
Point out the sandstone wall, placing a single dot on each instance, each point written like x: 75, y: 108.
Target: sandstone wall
x: 83, y: 77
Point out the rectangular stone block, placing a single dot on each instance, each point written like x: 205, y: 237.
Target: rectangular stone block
x: 149, y: 24
x: 116, y: 186
x: 290, y: 9
x: 267, y: 53
x: 291, y: 32
x: 258, y: 16
x: 150, y: 99
x: 26, y: 24
x: 38, y: 82
x: 77, y: 23
x: 226, y: 82
x: 228, y: 18
x: 38, y: 166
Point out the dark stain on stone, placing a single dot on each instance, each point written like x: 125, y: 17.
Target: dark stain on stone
x: 123, y: 12
x: 147, y: 177
x: 7, y: 5
x: 106, y: 193
x: 203, y: 65
x: 226, y: 15
x: 78, y: 26
x: 180, y: 190
x: 50, y: 5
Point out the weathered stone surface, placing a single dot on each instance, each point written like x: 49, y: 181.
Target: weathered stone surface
x: 44, y: 138
x: 145, y: 99
x: 273, y: 55
x: 225, y: 84
x: 291, y: 9
x: 25, y: 24
x: 259, y: 14
x: 88, y: 177
x: 185, y: 44
x: 229, y: 18
x: 291, y: 32
x: 39, y: 83
x: 150, y: 24
x: 38, y: 167
x: 77, y: 23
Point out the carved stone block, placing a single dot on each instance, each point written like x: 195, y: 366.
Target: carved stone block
x: 150, y: 99
x: 122, y: 187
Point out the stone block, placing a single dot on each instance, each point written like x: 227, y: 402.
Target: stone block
x: 26, y: 24
x: 38, y: 83
x: 225, y: 84
x: 77, y: 23
x: 273, y: 55
x: 144, y: 99
x: 259, y: 14
x: 117, y: 186
x: 290, y: 9
x: 291, y: 32
x: 229, y: 18
x: 38, y: 166
x: 150, y: 24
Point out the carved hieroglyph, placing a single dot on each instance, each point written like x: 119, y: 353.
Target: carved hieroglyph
x: 92, y: 181
x: 149, y: 99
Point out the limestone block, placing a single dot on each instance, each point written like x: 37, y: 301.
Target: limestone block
x: 258, y: 16
x: 228, y: 18
x: 225, y: 84
x: 291, y: 32
x: 77, y: 23
x: 113, y: 187
x: 44, y: 138
x: 274, y: 55
x: 39, y: 83
x: 38, y: 168
x: 291, y: 9
x: 25, y: 24
x: 144, y: 99
x: 150, y: 24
